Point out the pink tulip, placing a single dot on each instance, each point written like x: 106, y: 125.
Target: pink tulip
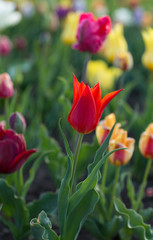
x: 91, y: 33
x: 6, y: 86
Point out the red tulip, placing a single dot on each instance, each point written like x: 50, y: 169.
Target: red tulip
x: 87, y: 106
x: 91, y: 33
x: 13, y: 153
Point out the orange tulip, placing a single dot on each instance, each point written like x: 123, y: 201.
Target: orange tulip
x: 121, y: 157
x: 87, y: 106
x: 146, y: 142
x: 104, y: 127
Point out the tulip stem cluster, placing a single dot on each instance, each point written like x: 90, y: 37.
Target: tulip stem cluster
x: 77, y: 151
x: 143, y: 185
x: 117, y: 174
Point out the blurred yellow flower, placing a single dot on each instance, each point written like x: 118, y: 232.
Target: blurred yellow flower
x: 98, y: 71
x: 65, y: 3
x: 104, y: 127
x: 121, y: 140
x: 147, y: 58
x: 70, y: 28
x: 124, y: 61
x: 114, y: 43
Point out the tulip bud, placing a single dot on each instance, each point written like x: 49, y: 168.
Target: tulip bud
x: 124, y: 61
x: 146, y: 142
x: 6, y: 86
x: 121, y: 157
x: 2, y: 124
x: 17, y: 122
x: 104, y: 127
x: 5, y: 46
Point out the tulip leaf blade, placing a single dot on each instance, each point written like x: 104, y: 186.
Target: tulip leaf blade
x: 134, y: 221
x: 33, y: 171
x: 46, y: 202
x: 64, y: 190
x: 77, y: 217
x: 13, y: 207
x: 101, y: 150
x: 41, y: 228
x: 88, y: 183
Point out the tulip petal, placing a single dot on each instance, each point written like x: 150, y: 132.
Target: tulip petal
x: 106, y: 100
x: 96, y: 93
x: 83, y: 117
x: 8, y: 150
x: 78, y: 88
x: 20, y: 160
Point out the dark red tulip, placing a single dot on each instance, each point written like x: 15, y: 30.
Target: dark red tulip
x: 13, y: 153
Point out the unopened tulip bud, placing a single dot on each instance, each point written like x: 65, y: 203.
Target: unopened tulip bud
x: 124, y: 61
x: 2, y: 124
x: 17, y: 122
x: 121, y: 157
x: 146, y: 142
x: 6, y: 86
x: 5, y: 46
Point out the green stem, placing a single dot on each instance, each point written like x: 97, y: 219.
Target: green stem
x: 104, y: 173
x: 143, y: 185
x: 113, y: 192
x: 77, y: 151
x: 84, y: 70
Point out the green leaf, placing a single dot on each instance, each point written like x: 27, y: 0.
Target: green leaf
x: 110, y: 229
x: 88, y: 183
x: 33, y: 171
x: 134, y: 221
x: 100, y: 151
x: 146, y: 213
x: 77, y: 217
x: 64, y: 191
x: 41, y: 228
x: 94, y: 227
x: 86, y: 156
x: 14, y: 207
x: 46, y: 202
x: 56, y: 161
x: 131, y: 191
x: 67, y: 148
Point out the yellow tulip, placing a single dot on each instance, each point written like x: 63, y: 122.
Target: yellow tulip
x: 70, y: 28
x: 147, y: 58
x: 104, y: 127
x: 121, y: 140
x: 114, y: 43
x: 146, y: 142
x: 98, y: 71
x: 124, y: 61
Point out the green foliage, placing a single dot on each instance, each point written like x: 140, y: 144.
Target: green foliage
x: 14, y: 207
x: 134, y: 221
x: 41, y: 228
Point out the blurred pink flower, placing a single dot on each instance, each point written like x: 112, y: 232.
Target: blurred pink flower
x: 91, y: 33
x: 20, y: 43
x: 6, y: 86
x: 5, y: 46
